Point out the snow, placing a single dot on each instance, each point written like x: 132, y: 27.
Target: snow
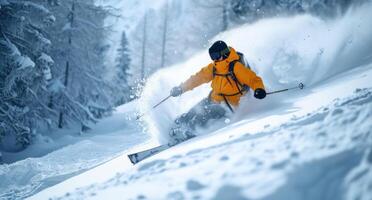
x: 316, y: 155
x: 302, y: 144
x: 25, y: 62
x: 56, y: 86
x: 14, y: 51
x: 66, y: 27
x: 3, y: 3
x: 38, y: 7
x: 51, y: 18
x: 46, y: 58
x: 49, y: 162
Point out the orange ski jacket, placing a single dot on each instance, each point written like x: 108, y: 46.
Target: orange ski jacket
x: 220, y: 84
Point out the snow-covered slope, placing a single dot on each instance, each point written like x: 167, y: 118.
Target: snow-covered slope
x: 106, y: 141
x: 309, y: 144
x: 324, y: 154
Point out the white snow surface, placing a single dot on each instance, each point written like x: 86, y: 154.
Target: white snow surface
x: 278, y: 154
x: 25, y: 62
x: 314, y: 143
x: 46, y: 58
x: 69, y: 155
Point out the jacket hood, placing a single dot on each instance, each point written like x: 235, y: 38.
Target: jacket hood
x: 233, y: 55
x: 223, y: 65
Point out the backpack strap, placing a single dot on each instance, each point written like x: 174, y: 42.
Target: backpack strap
x: 214, y: 71
x: 233, y: 76
x: 241, y: 87
x: 224, y: 75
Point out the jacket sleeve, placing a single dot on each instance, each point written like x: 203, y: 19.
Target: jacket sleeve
x: 203, y: 76
x: 248, y: 77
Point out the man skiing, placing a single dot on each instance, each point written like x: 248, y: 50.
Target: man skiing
x: 231, y: 79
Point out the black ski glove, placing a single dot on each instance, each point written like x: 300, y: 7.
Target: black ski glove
x: 176, y: 91
x: 260, y: 93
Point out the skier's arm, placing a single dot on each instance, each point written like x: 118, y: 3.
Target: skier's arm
x: 203, y: 76
x: 248, y: 77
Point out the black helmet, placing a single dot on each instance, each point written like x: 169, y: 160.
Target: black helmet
x: 218, y: 49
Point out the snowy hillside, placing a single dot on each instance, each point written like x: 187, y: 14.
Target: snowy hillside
x: 73, y: 155
x: 308, y: 144
x: 319, y: 155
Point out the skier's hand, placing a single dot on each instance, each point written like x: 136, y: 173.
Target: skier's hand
x: 176, y: 91
x: 260, y: 93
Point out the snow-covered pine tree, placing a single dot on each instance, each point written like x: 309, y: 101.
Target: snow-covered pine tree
x: 80, y: 91
x: 23, y: 77
x: 34, y: 49
x: 123, y: 62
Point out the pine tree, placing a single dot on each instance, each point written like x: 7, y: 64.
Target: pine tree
x: 123, y: 62
x: 24, y: 70
x: 34, y: 49
x: 80, y: 93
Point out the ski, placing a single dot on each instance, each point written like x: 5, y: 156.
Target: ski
x: 139, y: 156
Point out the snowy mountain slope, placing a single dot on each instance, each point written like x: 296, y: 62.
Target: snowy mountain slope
x: 310, y: 144
x: 324, y: 154
x: 31, y: 175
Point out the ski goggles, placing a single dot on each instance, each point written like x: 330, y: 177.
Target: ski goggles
x: 218, y: 55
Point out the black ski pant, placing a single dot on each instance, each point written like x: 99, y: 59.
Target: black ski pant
x: 198, y: 115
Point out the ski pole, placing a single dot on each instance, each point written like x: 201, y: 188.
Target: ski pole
x: 300, y: 86
x: 139, y: 116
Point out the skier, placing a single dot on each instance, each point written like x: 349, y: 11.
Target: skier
x: 231, y: 79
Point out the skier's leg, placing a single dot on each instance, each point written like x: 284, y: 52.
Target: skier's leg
x: 210, y: 111
x: 187, y: 118
x: 185, y: 124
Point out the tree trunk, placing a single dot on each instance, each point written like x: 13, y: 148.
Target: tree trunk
x: 224, y: 15
x: 164, y: 35
x: 144, y: 48
x: 71, y: 21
